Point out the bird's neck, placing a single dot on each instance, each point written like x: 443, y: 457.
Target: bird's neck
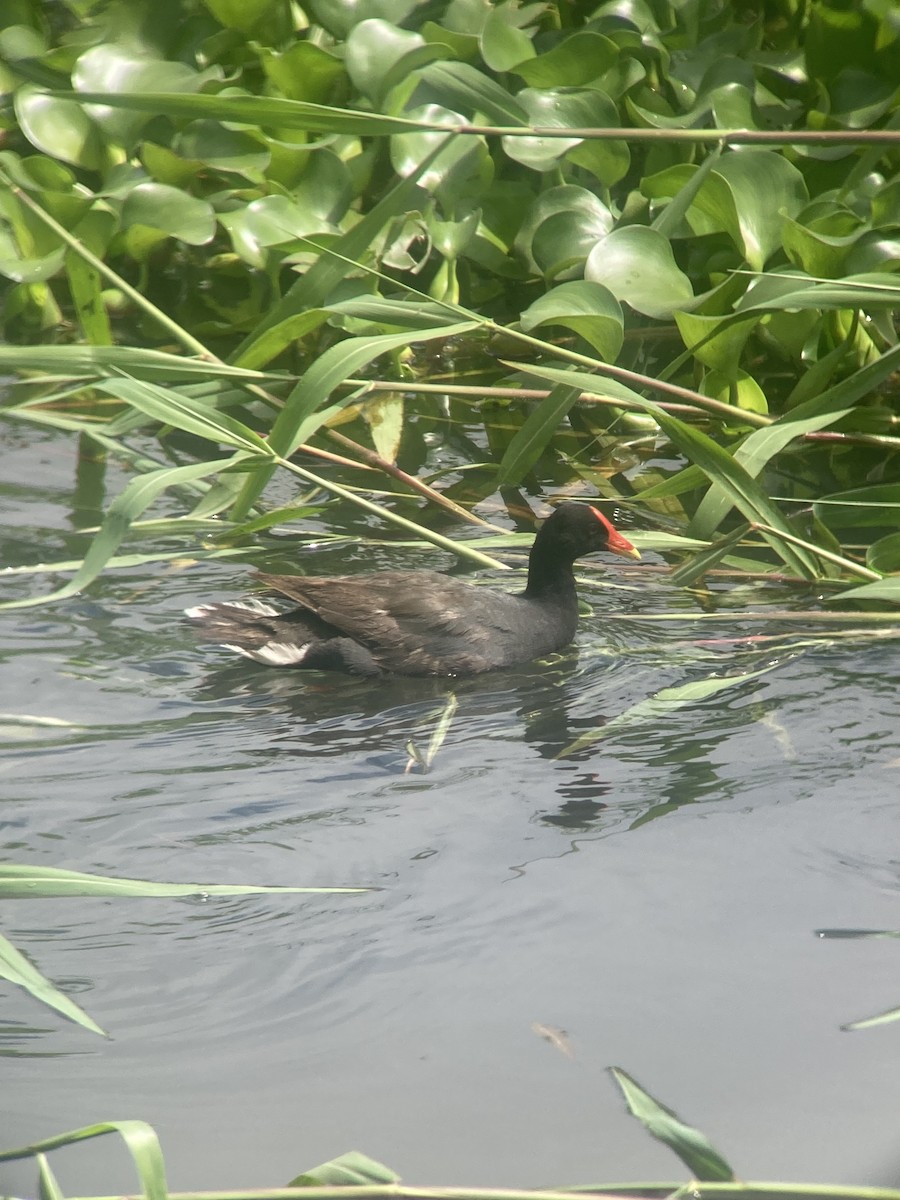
x: 550, y: 579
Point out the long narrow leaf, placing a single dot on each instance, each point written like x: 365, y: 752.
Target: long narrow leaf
x: 136, y: 497
x: 18, y: 882
x: 692, y: 1147
x: 18, y: 970
x: 531, y: 439
x: 139, y: 1137
x: 659, y: 707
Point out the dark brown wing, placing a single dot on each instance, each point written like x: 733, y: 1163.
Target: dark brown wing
x: 422, y: 622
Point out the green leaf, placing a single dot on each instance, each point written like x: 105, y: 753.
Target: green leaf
x: 136, y: 497
x: 303, y: 412
x: 18, y: 970
x: 884, y: 555
x: 529, y: 442
x: 748, y: 196
x: 589, y: 309
x: 692, y: 1147
x: 24, y: 882
x: 140, y: 1140
x: 660, y: 706
x: 158, y: 206
x: 349, y: 1170
x: 91, y: 362
x: 503, y: 44
x: 578, y: 59
x: 860, y: 508
x: 638, y: 266
x: 58, y: 127
x: 881, y: 590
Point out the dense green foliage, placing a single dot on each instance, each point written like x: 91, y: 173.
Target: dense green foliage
x: 269, y: 188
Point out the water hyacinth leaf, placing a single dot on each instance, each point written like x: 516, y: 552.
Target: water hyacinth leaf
x: 563, y: 108
x: 589, y: 309
x: 229, y: 150
x: 60, y: 128
x: 577, y: 60
x: 581, y: 220
x: 717, y: 342
x: 348, y: 1170
x: 242, y: 15
x: 503, y: 44
x: 312, y: 288
x: 884, y: 555
x: 158, y: 206
x: 747, y: 196
x: 736, y: 388
x: 410, y: 150
x: 303, y: 71
x: 860, y: 508
x: 660, y: 706
x: 112, y: 67
x: 140, y: 1140
x: 375, y: 47
x: 18, y: 970
x: 692, y: 1147
x: 638, y: 267
x: 461, y: 86
x: 530, y: 441
x: 887, y: 589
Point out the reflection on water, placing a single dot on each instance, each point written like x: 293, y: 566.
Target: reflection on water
x: 654, y: 894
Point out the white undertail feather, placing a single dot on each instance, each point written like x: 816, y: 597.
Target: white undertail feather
x: 272, y: 654
x: 252, y: 606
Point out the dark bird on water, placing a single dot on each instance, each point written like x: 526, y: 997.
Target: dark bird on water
x: 419, y: 622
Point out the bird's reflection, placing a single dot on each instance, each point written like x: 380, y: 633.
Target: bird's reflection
x: 332, y: 715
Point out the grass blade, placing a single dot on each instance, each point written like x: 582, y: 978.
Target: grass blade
x: 659, y: 706
x: 140, y: 1140
x: 529, y: 442
x: 15, y: 967
x: 691, y: 1146
x: 23, y: 882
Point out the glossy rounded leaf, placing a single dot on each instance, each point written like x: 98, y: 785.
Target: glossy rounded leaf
x: 748, y: 196
x: 585, y: 212
x: 409, y: 149
x: 589, y: 309
x: 821, y: 246
x: 884, y: 555
x: 569, y: 108
x: 373, y: 48
x: 169, y: 211
x: 223, y: 149
x: 60, y: 128
x: 340, y: 16
x: 271, y: 221
x: 303, y: 71
x: 561, y: 244
x: 638, y: 266
x: 112, y: 68
x: 503, y: 44
x: 716, y: 341
x: 242, y: 15
x: 576, y: 60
